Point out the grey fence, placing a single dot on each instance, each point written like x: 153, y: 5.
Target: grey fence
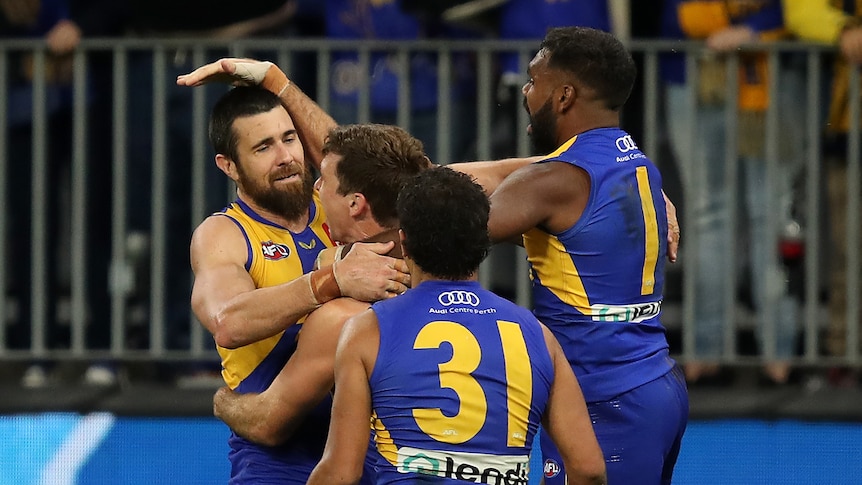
x: 105, y: 170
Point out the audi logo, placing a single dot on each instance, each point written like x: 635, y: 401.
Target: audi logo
x: 458, y: 297
x: 626, y: 144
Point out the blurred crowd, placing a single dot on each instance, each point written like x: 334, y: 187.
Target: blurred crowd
x: 692, y: 153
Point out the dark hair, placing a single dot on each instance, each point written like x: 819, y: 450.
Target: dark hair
x: 444, y: 216
x: 596, y: 58
x: 376, y: 160
x: 237, y: 103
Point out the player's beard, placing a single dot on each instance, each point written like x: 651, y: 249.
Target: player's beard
x: 543, y: 133
x: 290, y: 202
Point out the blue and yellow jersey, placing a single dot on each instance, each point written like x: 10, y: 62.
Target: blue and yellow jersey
x: 461, y: 380
x: 275, y: 256
x: 598, y: 284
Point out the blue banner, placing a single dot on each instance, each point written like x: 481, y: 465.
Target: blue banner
x: 99, y: 448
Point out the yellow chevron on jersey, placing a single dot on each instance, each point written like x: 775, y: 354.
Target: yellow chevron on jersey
x: 565, y: 146
x: 383, y: 439
x: 275, y: 256
x: 555, y: 269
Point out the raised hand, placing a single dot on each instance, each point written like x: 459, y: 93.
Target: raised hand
x: 239, y: 72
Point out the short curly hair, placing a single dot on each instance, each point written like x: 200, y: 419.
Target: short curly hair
x: 596, y: 58
x: 444, y: 216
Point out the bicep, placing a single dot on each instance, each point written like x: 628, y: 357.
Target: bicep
x: 533, y: 195
x: 217, y: 254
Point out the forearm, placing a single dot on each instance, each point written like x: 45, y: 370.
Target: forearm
x: 490, y: 174
x: 312, y: 123
x: 263, y: 312
x: 252, y: 417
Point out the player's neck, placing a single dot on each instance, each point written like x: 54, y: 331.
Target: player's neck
x: 368, y: 228
x: 295, y: 225
x: 418, y: 276
x: 584, y: 122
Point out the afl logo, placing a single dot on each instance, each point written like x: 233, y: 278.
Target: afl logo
x: 552, y: 469
x: 458, y: 297
x: 626, y: 144
x: 274, y: 251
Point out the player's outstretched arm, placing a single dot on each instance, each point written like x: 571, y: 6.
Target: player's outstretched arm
x: 491, y: 173
x: 312, y: 123
x: 533, y: 195
x: 567, y: 422
x: 269, y: 418
x: 347, y: 441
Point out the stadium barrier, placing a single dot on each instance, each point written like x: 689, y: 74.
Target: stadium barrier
x: 130, y: 286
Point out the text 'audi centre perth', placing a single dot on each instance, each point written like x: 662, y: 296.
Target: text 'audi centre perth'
x: 460, y: 301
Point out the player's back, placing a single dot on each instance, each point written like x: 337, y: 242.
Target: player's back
x: 275, y: 256
x: 598, y: 284
x: 461, y: 380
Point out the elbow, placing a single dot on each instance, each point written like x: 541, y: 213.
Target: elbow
x: 596, y: 471
x: 225, y: 340
x: 598, y: 479
x: 338, y: 475
x: 223, y: 333
x: 353, y: 479
x: 588, y: 473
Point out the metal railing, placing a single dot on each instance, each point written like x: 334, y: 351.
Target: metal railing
x: 160, y: 172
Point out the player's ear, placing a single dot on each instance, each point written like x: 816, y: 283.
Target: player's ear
x: 568, y: 94
x: 401, y: 239
x: 226, y: 165
x: 358, y: 204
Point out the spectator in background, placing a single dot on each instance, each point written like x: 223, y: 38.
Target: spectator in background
x: 166, y: 19
x: 32, y: 18
x: 387, y: 20
x: 838, y: 23
x: 725, y: 26
x: 61, y: 24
